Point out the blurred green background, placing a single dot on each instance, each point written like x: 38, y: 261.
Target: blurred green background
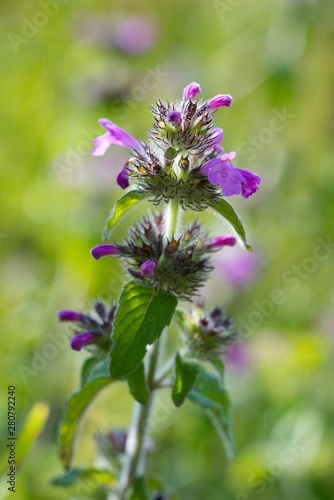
x: 65, y: 64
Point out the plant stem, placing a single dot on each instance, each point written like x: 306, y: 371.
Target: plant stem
x: 135, y: 453
x: 134, y: 463
x: 172, y: 219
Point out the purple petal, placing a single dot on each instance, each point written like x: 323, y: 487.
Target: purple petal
x: 225, y: 175
x: 228, y: 156
x: 122, y: 179
x: 134, y: 35
x: 148, y: 267
x: 218, y: 135
x: 174, y: 116
x: 80, y: 340
x: 222, y: 241
x: 115, y: 135
x: 191, y: 90
x: 67, y: 315
x: 219, y: 100
x: 104, y: 250
x: 250, y: 183
x: 101, y: 144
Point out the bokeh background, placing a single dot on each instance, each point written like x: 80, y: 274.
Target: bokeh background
x: 65, y: 64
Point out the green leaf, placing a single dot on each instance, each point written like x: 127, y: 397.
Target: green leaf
x: 137, y: 385
x: 210, y: 395
x: 141, y: 316
x: 92, y: 475
x: 185, y: 376
x: 225, y: 210
x: 139, y: 490
x: 127, y: 201
x: 220, y: 368
x: 86, y: 369
x: 75, y: 407
x: 94, y: 368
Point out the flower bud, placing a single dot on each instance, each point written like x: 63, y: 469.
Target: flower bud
x: 104, y: 250
x: 67, y: 315
x: 191, y: 91
x: 122, y: 179
x: 222, y: 241
x: 80, y: 340
x: 148, y: 267
x: 174, y: 117
x: 219, y: 101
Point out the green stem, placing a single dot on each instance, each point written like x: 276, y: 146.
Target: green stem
x: 135, y: 454
x: 134, y: 463
x: 173, y: 215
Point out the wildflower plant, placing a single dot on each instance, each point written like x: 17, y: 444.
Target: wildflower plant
x: 181, y: 167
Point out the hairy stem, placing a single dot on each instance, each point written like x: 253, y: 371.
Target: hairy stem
x: 135, y: 454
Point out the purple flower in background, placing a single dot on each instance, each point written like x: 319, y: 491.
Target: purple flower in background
x: 237, y: 267
x: 191, y: 90
x: 104, y: 250
x: 232, y: 180
x: 135, y: 35
x: 237, y: 356
x: 80, y: 340
x: 148, y: 267
x: 115, y: 135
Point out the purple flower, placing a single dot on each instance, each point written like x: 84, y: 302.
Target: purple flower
x: 122, y: 179
x: 250, y: 184
x: 225, y: 175
x: 80, y: 340
x: 67, y: 315
x: 237, y: 267
x: 148, y: 267
x: 219, y: 101
x: 174, y: 116
x: 191, y: 91
x: 232, y: 180
x: 237, y: 356
x: 222, y: 241
x: 115, y: 135
x: 135, y: 35
x: 104, y: 250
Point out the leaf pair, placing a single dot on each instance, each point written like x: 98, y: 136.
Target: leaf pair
x: 131, y: 198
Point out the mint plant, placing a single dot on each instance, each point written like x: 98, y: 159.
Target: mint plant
x: 180, y: 167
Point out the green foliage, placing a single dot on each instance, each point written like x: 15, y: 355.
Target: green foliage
x: 141, y: 316
x: 122, y: 205
x: 209, y: 393
x: 75, y: 407
x: 137, y: 385
x: 94, y: 476
x: 185, y: 376
x: 225, y: 210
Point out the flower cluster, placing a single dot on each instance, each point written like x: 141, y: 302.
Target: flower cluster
x: 179, y: 266
x: 183, y: 157
x: 92, y: 331
x: 208, y: 334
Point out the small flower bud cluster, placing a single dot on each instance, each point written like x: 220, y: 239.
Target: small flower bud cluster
x: 208, y: 334
x: 179, y: 266
x: 92, y: 331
